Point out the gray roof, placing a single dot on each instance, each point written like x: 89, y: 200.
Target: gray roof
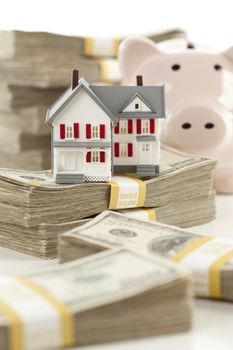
x: 113, y: 99
x: 117, y: 97
x: 64, y: 99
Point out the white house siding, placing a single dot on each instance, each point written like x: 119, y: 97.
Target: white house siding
x: 132, y: 138
x: 82, y: 110
x: 78, y: 155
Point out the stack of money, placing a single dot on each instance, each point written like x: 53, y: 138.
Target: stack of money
x: 34, y: 71
x: 94, y: 300
x: 209, y: 258
x: 34, y: 210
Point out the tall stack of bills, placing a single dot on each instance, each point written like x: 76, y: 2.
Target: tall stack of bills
x: 34, y: 71
x: 34, y: 210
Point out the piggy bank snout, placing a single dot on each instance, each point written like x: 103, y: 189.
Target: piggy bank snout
x: 198, y: 127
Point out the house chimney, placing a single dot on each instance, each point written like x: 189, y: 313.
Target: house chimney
x: 75, y: 78
x: 139, y: 80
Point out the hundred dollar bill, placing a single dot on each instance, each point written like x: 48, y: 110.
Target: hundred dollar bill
x: 111, y: 296
x: 209, y: 258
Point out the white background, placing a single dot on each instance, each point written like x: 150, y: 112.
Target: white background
x: 209, y: 22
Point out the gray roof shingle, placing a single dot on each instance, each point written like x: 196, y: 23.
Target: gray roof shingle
x: 116, y: 97
x: 113, y: 99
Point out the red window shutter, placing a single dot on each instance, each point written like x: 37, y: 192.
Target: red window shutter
x: 117, y: 127
x: 62, y: 131
x: 130, y: 126
x: 116, y: 149
x: 102, y: 131
x: 139, y: 126
x: 76, y: 130
x: 88, y: 157
x: 152, y: 126
x: 102, y: 156
x: 88, y: 131
x: 130, y: 150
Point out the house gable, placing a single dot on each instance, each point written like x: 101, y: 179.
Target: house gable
x: 136, y: 104
x: 67, y: 98
x: 81, y: 110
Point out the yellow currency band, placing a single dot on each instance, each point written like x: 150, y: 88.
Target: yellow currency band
x: 115, y: 190
x: 104, y: 71
x: 15, y: 331
x: 16, y: 324
x: 114, y: 195
x: 142, y: 192
x: 116, y: 44
x: 88, y: 46
x: 215, y: 281
x: 190, y: 248
x: 215, y: 285
x: 63, y: 310
x: 151, y: 214
x: 88, y: 49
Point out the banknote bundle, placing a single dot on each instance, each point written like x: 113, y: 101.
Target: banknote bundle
x: 209, y: 258
x: 34, y: 71
x: 34, y: 210
x: 94, y: 300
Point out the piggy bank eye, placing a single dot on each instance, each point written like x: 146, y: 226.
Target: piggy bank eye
x: 217, y: 67
x: 209, y: 125
x: 186, y: 126
x: 175, y: 67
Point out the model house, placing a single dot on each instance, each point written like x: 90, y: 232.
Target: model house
x: 101, y: 130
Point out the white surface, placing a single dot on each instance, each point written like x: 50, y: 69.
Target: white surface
x: 213, y: 320
x: 206, y: 21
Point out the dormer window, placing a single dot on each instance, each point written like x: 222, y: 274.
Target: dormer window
x: 137, y: 104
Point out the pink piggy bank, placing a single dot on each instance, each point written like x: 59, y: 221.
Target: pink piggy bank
x: 199, y: 97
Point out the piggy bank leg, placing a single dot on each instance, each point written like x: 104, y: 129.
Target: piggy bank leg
x: 223, y: 180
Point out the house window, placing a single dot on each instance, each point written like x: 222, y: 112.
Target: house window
x: 137, y: 104
x: 123, y: 150
x: 145, y: 147
x: 95, y: 156
x: 69, y: 132
x: 95, y: 132
x: 145, y: 126
x: 123, y: 126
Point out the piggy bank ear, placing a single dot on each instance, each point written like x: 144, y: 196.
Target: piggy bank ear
x: 132, y: 52
x: 229, y: 53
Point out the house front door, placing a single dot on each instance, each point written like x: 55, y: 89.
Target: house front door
x: 145, y: 153
x: 71, y: 161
